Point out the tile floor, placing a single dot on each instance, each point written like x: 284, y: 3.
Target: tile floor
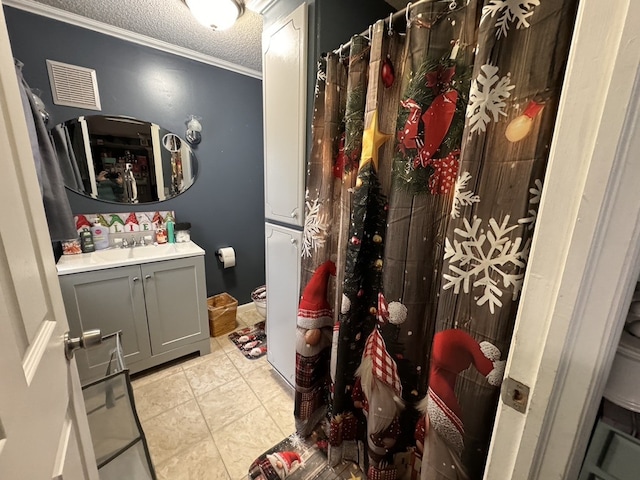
x: 208, y: 418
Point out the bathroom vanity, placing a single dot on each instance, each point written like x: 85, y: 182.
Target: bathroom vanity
x: 155, y: 294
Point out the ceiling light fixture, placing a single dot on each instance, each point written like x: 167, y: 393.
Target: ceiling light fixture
x: 216, y: 14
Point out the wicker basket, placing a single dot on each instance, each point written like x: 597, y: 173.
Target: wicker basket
x: 222, y: 314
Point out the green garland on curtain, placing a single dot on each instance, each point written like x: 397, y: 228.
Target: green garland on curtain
x: 415, y: 180
x: 354, y: 126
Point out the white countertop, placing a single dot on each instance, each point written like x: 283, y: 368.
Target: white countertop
x: 118, y: 257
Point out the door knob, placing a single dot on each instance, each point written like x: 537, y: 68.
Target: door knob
x: 89, y: 338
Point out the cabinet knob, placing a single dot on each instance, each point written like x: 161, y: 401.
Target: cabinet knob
x: 135, y: 279
x: 147, y: 277
x: 293, y: 241
x: 294, y: 214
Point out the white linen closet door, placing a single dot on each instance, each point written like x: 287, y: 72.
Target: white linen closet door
x: 284, y: 83
x: 44, y: 433
x: 283, y: 295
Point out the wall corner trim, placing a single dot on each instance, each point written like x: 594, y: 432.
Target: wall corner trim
x: 54, y: 13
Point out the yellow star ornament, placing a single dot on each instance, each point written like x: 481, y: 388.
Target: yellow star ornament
x: 372, y: 140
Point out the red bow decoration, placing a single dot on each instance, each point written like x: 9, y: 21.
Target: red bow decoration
x: 436, y: 119
x: 407, y: 136
x: 439, y: 80
x: 445, y: 172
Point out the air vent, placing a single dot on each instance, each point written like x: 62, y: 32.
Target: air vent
x: 73, y: 86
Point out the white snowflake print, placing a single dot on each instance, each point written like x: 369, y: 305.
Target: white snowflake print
x: 509, y: 11
x: 487, y: 96
x: 536, y: 192
x: 462, y: 197
x: 315, y: 229
x: 482, y: 255
x: 321, y: 76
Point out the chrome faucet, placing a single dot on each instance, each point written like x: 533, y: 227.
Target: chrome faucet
x: 125, y: 243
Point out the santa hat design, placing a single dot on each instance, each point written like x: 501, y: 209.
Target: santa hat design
x: 284, y: 462
x: 384, y: 368
x: 453, y: 352
x: 314, y: 310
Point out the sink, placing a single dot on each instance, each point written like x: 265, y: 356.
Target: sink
x: 116, y: 257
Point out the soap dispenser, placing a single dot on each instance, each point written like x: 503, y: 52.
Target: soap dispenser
x: 100, y: 236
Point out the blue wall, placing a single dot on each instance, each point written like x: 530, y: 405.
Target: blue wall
x: 226, y: 204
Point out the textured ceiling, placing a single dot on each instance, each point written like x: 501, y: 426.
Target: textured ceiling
x: 171, y: 22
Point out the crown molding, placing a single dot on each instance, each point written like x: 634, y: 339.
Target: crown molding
x: 259, y: 6
x: 32, y: 6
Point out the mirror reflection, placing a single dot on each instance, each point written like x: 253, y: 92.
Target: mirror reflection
x: 122, y: 159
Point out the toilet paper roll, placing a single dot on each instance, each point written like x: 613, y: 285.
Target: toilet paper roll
x: 227, y: 257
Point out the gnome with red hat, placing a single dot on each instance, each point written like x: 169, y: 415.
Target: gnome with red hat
x: 313, y: 344
x: 279, y: 465
x: 440, y: 431
x: 378, y: 392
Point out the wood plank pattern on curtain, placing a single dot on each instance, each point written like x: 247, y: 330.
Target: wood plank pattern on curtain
x: 422, y: 198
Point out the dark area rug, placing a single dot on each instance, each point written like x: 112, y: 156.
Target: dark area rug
x: 251, y: 341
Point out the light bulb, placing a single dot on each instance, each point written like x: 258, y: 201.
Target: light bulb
x: 216, y: 14
x: 521, y: 126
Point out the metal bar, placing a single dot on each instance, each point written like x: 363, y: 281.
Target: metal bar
x: 393, y: 18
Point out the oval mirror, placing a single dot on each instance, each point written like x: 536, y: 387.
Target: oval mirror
x: 122, y: 159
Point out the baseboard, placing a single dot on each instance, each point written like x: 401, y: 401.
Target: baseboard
x: 246, y: 307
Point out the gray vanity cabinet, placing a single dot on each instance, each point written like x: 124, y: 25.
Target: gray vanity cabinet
x: 160, y: 308
x: 176, y: 303
x: 110, y: 300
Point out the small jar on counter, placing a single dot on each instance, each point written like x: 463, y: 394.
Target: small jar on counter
x: 183, y: 232
x: 161, y: 235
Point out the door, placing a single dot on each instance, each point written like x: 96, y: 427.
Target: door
x: 176, y: 299
x: 285, y: 96
x: 283, y: 296
x: 111, y: 300
x: 43, y: 426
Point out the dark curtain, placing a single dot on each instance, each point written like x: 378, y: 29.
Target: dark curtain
x: 426, y: 171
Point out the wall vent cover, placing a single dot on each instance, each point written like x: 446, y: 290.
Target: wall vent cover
x: 73, y: 86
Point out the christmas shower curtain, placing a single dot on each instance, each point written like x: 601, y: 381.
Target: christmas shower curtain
x: 428, y: 157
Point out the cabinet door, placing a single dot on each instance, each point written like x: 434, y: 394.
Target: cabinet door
x: 284, y: 88
x: 176, y: 302
x: 110, y: 300
x: 283, y: 290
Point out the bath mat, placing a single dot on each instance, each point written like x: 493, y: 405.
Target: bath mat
x: 251, y: 341
x: 300, y: 459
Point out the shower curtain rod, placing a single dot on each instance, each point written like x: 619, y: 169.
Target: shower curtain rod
x: 392, y: 18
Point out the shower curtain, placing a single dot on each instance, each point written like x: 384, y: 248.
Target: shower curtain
x: 426, y: 170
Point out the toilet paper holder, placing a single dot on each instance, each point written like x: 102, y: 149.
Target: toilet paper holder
x: 226, y: 256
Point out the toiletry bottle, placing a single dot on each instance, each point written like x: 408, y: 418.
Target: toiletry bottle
x: 86, y: 241
x: 170, y: 223
x: 100, y: 236
x: 171, y: 237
